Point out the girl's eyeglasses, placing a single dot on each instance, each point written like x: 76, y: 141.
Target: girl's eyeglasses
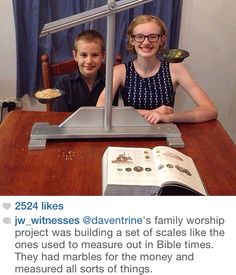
x: 153, y: 37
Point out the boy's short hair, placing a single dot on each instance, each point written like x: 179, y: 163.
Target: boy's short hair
x: 90, y: 36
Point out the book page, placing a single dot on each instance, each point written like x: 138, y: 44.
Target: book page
x: 174, y: 166
x: 132, y: 166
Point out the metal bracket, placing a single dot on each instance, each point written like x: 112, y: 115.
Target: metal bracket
x: 175, y: 142
x: 87, y: 123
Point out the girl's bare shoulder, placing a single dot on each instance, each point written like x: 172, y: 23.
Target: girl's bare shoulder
x: 120, y: 74
x: 119, y: 68
x: 177, y: 67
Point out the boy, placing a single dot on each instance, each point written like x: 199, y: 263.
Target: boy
x: 83, y: 87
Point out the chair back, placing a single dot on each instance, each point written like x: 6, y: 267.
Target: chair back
x: 64, y: 67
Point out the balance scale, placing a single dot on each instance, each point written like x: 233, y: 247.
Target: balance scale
x: 98, y: 122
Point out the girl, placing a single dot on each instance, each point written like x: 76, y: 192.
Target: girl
x: 149, y: 85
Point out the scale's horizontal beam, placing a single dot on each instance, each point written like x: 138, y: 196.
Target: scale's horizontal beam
x: 90, y: 15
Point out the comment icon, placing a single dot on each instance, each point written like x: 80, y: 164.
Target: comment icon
x: 7, y: 220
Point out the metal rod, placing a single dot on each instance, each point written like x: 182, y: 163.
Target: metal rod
x: 109, y: 68
x: 108, y: 10
x: 90, y: 15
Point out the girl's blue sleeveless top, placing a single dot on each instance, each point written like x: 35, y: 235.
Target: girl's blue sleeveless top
x: 150, y: 92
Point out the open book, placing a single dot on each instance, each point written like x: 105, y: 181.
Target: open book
x: 142, y: 171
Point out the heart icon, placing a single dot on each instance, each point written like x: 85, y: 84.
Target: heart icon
x: 6, y: 205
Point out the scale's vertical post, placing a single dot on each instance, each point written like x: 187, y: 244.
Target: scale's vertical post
x: 110, y: 45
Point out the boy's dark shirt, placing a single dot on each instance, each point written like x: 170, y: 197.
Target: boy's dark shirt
x: 77, y: 93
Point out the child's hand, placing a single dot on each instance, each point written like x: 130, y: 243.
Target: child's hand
x: 153, y: 116
x: 164, y: 110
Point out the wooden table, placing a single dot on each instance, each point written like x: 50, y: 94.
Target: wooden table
x: 74, y: 167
